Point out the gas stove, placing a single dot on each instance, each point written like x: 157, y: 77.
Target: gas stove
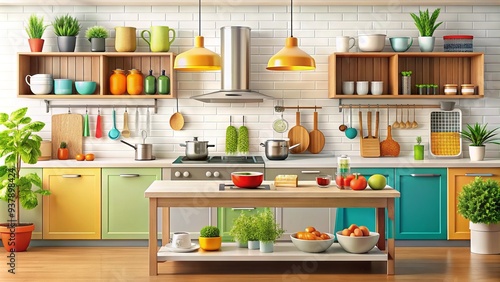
x: 214, y: 167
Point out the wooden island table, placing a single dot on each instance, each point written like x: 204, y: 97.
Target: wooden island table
x: 167, y: 193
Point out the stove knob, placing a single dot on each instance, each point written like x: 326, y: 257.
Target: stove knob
x: 208, y: 173
x: 186, y: 174
x: 177, y: 174
x: 216, y: 174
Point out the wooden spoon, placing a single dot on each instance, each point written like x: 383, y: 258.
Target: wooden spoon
x: 414, y: 124
x: 396, y: 123
x: 316, y: 137
x: 343, y: 127
x: 125, y: 131
x: 408, y: 123
x: 177, y: 119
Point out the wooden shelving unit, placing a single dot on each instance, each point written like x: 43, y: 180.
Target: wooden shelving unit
x: 95, y: 67
x: 434, y: 67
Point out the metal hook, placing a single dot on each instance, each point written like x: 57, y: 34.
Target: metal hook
x: 69, y: 109
x: 86, y: 109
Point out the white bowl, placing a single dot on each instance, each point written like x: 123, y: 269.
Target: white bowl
x: 357, y: 245
x: 371, y: 42
x: 312, y: 246
x: 41, y: 88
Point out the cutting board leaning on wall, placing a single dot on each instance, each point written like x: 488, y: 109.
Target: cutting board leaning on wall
x: 67, y: 128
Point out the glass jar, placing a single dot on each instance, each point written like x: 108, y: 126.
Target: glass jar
x: 467, y: 89
x: 450, y: 89
x: 150, y: 83
x: 135, y: 82
x: 118, y: 82
x: 344, y: 165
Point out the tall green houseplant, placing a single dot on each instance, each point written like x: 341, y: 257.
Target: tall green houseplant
x: 66, y: 28
x: 35, y: 30
x: 426, y: 25
x: 479, y: 135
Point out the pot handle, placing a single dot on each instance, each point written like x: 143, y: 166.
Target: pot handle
x: 293, y: 146
x: 126, y: 143
x: 182, y: 144
x: 262, y: 145
x: 211, y: 145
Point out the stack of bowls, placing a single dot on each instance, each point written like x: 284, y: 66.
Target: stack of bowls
x: 40, y: 83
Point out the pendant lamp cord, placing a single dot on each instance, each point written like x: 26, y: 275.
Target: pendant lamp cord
x: 199, y: 17
x: 291, y: 18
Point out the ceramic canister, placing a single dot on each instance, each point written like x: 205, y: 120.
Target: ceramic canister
x: 125, y: 39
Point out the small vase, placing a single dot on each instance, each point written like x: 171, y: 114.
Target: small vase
x: 266, y: 247
x: 406, y: 85
x: 418, y: 152
x: 66, y: 43
x: 426, y: 43
x: 242, y: 244
x: 36, y: 44
x: 476, y: 153
x: 253, y: 245
x: 97, y: 44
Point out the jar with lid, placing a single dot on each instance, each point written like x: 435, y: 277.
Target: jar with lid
x: 467, y: 89
x: 343, y: 165
x: 118, y: 82
x: 135, y: 82
x: 450, y: 89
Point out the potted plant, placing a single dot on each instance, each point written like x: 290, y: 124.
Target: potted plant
x: 479, y: 202
x: 268, y: 231
x: 66, y: 28
x: 19, y: 144
x: 97, y: 36
x: 242, y: 229
x: 426, y: 25
x: 210, y: 239
x: 35, y: 30
x: 406, y: 82
x: 418, y: 150
x: 478, y: 135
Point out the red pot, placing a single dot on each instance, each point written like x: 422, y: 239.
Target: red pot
x: 247, y: 179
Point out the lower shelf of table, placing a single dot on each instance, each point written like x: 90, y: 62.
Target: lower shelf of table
x: 283, y: 251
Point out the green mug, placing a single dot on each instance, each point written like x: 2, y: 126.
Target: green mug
x: 159, y: 38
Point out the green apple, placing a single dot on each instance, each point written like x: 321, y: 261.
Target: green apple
x: 377, y: 182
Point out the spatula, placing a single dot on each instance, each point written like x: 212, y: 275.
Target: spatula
x: 125, y: 131
x: 98, y: 128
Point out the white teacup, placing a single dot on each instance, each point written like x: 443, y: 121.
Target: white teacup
x: 348, y: 87
x: 376, y: 87
x: 362, y: 87
x: 181, y: 240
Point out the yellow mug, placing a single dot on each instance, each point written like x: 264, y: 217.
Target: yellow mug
x: 159, y: 40
x: 125, y: 40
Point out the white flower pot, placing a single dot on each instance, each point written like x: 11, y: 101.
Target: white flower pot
x: 426, y: 43
x: 253, y: 245
x: 476, y: 153
x: 266, y: 247
x: 484, y: 238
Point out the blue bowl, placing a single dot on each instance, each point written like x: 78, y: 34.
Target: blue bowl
x: 85, y: 87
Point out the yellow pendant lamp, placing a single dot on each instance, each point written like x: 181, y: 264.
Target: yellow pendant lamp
x: 198, y: 58
x: 291, y: 57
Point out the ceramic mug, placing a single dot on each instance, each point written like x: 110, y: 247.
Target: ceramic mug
x: 401, y: 44
x: 40, y: 83
x: 376, y: 87
x: 125, y: 40
x: 348, y: 87
x: 181, y: 240
x: 159, y: 38
x: 343, y: 43
x: 63, y: 86
x: 362, y: 87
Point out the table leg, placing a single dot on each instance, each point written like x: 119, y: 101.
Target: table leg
x: 391, y: 247
x: 165, y: 226
x: 153, y: 241
x: 380, y: 225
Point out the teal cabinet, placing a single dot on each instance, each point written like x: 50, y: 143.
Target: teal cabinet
x: 421, y: 211
x: 226, y: 216
x: 124, y: 208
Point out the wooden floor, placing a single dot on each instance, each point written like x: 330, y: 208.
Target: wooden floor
x: 424, y: 264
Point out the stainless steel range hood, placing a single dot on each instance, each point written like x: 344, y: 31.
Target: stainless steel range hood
x: 235, y: 71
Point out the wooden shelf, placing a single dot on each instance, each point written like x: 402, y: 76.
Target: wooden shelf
x: 434, y: 67
x: 283, y: 251
x: 95, y: 67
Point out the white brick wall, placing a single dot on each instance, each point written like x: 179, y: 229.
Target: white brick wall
x: 315, y: 27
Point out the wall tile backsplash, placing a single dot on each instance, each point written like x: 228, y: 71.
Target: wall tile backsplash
x: 315, y: 27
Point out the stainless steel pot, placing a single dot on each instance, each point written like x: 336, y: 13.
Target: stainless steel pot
x: 277, y: 149
x: 196, y: 150
x: 143, y: 152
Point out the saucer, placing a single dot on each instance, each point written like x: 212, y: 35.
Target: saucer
x: 194, y: 247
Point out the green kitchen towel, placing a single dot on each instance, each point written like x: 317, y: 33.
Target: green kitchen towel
x: 231, y: 139
x: 243, y: 141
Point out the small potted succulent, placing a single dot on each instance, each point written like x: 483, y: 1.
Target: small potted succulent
x: 268, y: 231
x: 406, y: 82
x: 210, y: 239
x: 418, y: 150
x: 35, y: 30
x: 66, y: 28
x: 97, y: 36
x: 478, y: 135
x: 426, y: 25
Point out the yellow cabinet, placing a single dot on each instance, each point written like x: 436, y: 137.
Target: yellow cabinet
x: 458, y: 227
x: 73, y: 210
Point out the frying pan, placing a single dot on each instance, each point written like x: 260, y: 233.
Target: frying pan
x: 298, y: 135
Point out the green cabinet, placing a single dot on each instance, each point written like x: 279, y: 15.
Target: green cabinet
x: 421, y: 211
x: 124, y: 207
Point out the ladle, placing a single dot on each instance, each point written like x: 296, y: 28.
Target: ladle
x: 414, y: 124
x: 114, y: 133
x: 408, y: 123
x: 125, y: 130
x: 343, y: 127
x: 396, y: 123
x: 402, y: 124
x: 177, y: 119
x: 351, y: 132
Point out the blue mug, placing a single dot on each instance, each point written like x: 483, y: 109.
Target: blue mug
x: 401, y: 44
x: 63, y: 86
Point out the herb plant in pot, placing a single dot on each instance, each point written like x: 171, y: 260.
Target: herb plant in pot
x: 35, y: 30
x: 242, y: 229
x: 478, y: 135
x: 418, y: 150
x: 268, y: 231
x: 19, y: 145
x: 406, y: 82
x: 479, y: 202
x: 426, y: 25
x: 210, y: 239
x: 97, y: 36
x: 66, y: 28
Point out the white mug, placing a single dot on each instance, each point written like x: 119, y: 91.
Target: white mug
x: 348, y: 87
x: 362, y: 87
x: 181, y: 240
x: 376, y: 87
x: 343, y: 43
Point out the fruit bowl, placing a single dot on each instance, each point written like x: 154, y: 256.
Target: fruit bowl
x: 312, y: 246
x: 357, y: 245
x: 247, y: 179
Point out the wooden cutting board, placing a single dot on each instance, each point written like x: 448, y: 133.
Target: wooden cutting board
x: 67, y: 128
x: 298, y: 135
x: 316, y: 138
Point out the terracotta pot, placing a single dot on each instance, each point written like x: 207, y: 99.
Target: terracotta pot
x: 21, y: 235
x: 210, y: 243
x: 36, y: 44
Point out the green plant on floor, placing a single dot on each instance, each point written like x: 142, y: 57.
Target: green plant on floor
x: 66, y: 26
x: 426, y: 23
x: 35, y: 28
x: 18, y: 145
x: 267, y: 228
x: 479, y: 201
x: 209, y: 232
x: 479, y: 135
x: 96, y: 32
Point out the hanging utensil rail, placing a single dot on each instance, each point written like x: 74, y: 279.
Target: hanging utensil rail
x: 280, y: 109
x: 379, y: 106
x: 49, y: 106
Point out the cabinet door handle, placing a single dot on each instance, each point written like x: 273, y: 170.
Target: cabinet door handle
x: 424, y: 175
x: 243, y: 209
x: 130, y: 175
x: 310, y: 171
x: 71, y: 175
x: 480, y: 174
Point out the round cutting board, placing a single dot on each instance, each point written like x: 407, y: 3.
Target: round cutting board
x: 298, y: 135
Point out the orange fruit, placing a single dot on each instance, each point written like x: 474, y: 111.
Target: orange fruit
x: 352, y: 227
x: 358, y: 233
x: 310, y: 236
x: 346, y: 232
x: 325, y: 236
x: 316, y: 232
x: 365, y: 230
x: 80, y: 157
x: 89, y: 157
x: 300, y: 235
x: 310, y: 229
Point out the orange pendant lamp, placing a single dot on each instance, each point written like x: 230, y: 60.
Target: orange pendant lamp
x: 198, y: 58
x: 291, y: 57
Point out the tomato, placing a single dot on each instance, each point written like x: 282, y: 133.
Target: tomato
x: 359, y: 182
x: 348, y: 179
x: 325, y: 236
x: 300, y: 235
x: 80, y: 157
x: 62, y: 153
x: 339, y: 180
x: 310, y: 236
x: 316, y: 232
x: 89, y: 157
x: 310, y: 229
x: 342, y: 181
